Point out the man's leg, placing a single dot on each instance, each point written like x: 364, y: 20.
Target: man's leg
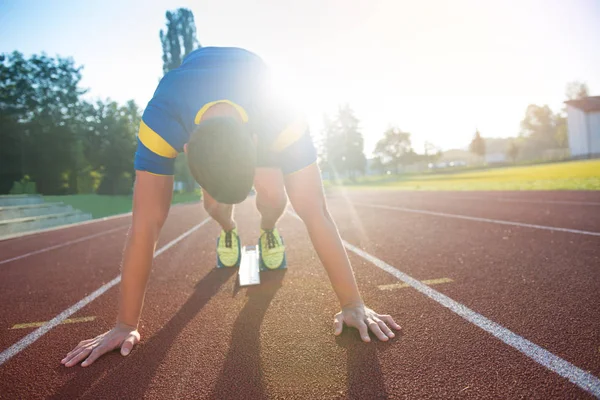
x: 270, y: 196
x: 270, y: 202
x: 222, y: 213
x: 228, y: 244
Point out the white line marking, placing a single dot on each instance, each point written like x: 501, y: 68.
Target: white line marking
x: 494, y: 221
x: 58, y: 246
x: 513, y: 200
x: 41, y: 331
x: 579, y: 377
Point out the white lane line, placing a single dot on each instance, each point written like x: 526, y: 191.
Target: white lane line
x: 579, y: 377
x: 41, y: 331
x: 513, y: 200
x: 58, y: 246
x: 494, y: 221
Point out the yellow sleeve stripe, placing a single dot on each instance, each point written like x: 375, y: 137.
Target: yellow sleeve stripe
x: 155, y: 143
x: 290, y: 135
x: 240, y: 110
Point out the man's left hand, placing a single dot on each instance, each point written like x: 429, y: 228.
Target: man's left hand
x: 365, y: 319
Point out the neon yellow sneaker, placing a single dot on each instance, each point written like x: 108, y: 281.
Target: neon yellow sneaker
x: 228, y: 249
x: 271, y: 250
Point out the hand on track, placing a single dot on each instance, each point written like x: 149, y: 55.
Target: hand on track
x: 121, y: 336
x: 365, y: 319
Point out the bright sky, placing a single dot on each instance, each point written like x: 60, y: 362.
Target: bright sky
x: 438, y: 69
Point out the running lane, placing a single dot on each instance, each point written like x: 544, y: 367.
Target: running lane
x: 204, y: 337
x: 540, y: 284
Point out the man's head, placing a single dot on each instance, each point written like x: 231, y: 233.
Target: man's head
x: 221, y: 156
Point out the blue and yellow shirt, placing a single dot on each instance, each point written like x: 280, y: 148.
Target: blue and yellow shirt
x: 212, y: 75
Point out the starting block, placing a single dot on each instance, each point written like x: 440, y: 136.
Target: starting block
x: 249, y: 266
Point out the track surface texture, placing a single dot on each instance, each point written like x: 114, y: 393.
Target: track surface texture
x: 506, y: 257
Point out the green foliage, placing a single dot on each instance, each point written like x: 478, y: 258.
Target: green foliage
x: 477, y: 145
x: 540, y: 131
x: 576, y: 90
x: 52, y: 136
x: 179, y: 39
x: 24, y: 186
x: 513, y: 151
x: 343, y: 150
x: 394, y: 149
x: 38, y: 106
x: 109, y: 143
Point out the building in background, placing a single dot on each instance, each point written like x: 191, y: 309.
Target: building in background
x: 583, y: 119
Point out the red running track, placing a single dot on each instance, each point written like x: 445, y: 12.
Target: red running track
x: 204, y: 337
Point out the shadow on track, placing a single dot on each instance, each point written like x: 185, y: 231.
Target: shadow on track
x: 365, y: 380
x: 242, y: 374
x: 114, y: 376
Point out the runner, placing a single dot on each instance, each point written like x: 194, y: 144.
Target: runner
x: 218, y: 109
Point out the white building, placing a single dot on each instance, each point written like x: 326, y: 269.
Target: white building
x: 584, y: 126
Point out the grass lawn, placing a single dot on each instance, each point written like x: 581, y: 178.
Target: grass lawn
x: 104, y: 206
x: 573, y: 175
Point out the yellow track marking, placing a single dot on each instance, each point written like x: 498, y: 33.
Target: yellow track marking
x: 66, y: 321
x: 401, y: 285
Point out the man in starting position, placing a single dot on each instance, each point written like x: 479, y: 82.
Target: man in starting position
x: 216, y: 107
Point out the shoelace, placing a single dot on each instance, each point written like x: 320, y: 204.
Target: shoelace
x: 228, y: 241
x: 271, y: 239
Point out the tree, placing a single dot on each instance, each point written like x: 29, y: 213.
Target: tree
x: 432, y: 153
x: 477, y: 145
x: 378, y: 165
x: 179, y: 39
x: 109, y: 144
x: 576, y: 90
x: 561, y: 135
x: 512, y: 151
x: 39, y: 100
x: 394, y: 148
x: 539, y: 129
x: 343, y: 152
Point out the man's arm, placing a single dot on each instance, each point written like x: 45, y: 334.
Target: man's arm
x: 305, y: 191
x: 151, y: 201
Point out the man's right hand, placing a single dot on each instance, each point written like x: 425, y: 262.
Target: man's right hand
x: 121, y: 336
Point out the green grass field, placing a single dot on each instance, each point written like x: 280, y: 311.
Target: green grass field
x: 103, y: 206
x: 573, y: 175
